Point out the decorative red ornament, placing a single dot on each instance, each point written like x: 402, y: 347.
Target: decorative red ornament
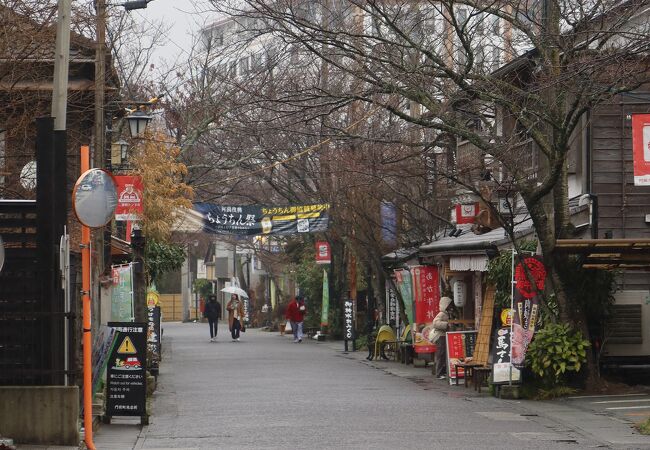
x: 538, y: 272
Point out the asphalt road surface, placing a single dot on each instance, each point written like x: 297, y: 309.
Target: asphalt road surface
x: 266, y: 392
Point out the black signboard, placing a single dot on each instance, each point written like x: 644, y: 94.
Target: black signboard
x: 126, y: 378
x: 348, y: 323
x: 153, y: 334
x: 391, y: 299
x: 255, y: 220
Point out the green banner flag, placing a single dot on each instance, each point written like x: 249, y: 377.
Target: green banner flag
x: 324, y: 317
x: 122, y: 294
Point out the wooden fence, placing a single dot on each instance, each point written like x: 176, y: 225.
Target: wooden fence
x: 172, y: 307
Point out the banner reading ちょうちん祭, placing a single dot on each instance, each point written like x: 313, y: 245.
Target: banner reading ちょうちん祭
x: 256, y: 220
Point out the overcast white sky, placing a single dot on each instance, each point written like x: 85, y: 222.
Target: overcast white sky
x: 184, y: 18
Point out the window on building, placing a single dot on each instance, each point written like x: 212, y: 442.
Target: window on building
x: 243, y: 66
x: 3, y: 157
x: 460, y: 51
x: 217, y: 38
x: 256, y: 62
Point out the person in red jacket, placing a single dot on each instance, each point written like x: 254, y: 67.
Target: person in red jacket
x: 296, y: 315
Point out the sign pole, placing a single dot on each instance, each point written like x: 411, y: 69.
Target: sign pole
x: 87, y: 341
x: 512, y: 311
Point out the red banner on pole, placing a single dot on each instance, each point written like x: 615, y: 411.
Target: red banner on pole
x: 526, y: 306
x: 426, y: 297
x: 641, y: 148
x: 129, y: 197
x: 323, y: 253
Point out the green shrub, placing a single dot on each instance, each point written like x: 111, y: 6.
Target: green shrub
x: 556, y: 350
x: 644, y: 427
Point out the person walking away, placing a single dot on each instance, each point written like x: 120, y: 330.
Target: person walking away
x: 212, y: 312
x: 439, y: 337
x: 235, y: 309
x: 296, y: 315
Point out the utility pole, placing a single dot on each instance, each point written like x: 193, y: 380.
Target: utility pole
x: 61, y: 62
x: 100, y: 84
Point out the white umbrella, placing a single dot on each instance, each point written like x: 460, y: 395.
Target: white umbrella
x: 235, y: 290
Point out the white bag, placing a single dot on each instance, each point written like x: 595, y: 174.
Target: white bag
x: 287, y: 327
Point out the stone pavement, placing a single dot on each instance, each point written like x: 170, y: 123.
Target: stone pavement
x: 556, y: 423
x: 558, y: 414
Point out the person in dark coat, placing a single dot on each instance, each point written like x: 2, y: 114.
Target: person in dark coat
x: 212, y: 312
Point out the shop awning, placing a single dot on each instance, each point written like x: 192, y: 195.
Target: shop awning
x: 608, y: 253
x: 473, y: 263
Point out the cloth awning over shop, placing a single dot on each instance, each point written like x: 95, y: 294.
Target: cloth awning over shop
x: 608, y: 253
x: 474, y: 263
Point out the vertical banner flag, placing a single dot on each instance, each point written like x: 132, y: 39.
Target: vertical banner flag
x: 526, y: 306
x: 323, y: 253
x: 391, y: 305
x: 641, y: 148
x: 426, y: 296
x: 388, y: 214
x: 348, y: 323
x: 153, y: 323
x: 403, y: 282
x: 122, y: 293
x: 129, y: 197
x: 502, y: 370
x: 325, y: 311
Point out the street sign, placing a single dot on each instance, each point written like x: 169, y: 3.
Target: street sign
x: 348, y: 324
x: 126, y: 378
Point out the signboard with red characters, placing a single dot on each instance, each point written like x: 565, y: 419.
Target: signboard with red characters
x: 526, y: 306
x: 129, y: 197
x: 641, y: 148
x: 426, y: 299
x: 460, y: 345
x: 323, y: 253
x: 466, y: 213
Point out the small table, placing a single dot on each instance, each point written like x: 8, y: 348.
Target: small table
x: 468, y: 368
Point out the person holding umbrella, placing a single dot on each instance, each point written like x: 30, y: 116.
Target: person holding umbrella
x: 235, y: 309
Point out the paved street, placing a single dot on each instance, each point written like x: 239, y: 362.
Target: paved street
x: 266, y: 392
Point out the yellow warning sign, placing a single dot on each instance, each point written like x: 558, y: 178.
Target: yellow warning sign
x: 127, y: 347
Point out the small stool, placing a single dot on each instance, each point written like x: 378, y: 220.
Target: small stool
x: 480, y: 374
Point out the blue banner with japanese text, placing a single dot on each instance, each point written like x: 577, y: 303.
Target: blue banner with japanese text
x: 255, y: 220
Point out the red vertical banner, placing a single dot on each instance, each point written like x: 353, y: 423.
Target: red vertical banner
x: 129, y: 197
x: 526, y: 306
x: 426, y: 299
x: 323, y: 253
x: 641, y: 148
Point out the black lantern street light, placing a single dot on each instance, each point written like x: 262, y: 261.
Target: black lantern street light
x: 119, y: 152
x: 138, y: 122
